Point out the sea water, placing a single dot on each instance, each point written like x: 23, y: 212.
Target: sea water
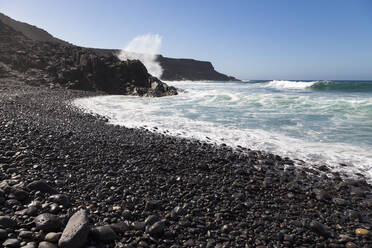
x: 320, y: 122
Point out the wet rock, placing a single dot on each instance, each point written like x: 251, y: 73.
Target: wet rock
x: 104, y: 234
x: 48, y: 222
x: 76, y: 231
x: 11, y: 243
x: 7, y: 222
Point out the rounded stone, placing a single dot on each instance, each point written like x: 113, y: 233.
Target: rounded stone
x: 53, y: 237
x: 361, y: 231
x: 26, y: 234
x: 350, y: 245
x: 45, y: 244
x: 7, y: 222
x: 3, y: 234
x: 47, y: 222
x: 11, y: 243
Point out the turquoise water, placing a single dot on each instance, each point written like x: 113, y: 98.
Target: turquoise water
x: 322, y: 122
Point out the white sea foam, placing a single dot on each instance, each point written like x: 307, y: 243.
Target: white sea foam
x: 229, y: 115
x: 294, y: 85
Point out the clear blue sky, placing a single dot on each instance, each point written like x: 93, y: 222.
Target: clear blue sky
x: 278, y: 39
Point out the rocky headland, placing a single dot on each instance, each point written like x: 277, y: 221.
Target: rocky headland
x: 44, y: 63
x: 174, y: 68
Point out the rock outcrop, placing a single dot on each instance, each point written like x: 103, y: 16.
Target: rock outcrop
x: 46, y: 63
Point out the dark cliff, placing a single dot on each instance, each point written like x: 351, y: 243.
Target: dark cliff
x: 43, y: 63
x: 174, y: 68
x: 190, y: 69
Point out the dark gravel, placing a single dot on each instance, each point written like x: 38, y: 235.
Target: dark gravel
x: 142, y: 189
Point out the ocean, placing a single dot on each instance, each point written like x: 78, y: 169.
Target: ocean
x: 319, y: 122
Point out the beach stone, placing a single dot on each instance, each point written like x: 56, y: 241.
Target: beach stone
x: 26, y: 234
x: 178, y: 211
x: 3, y: 234
x: 157, y: 228
x: 351, y: 245
x: 151, y: 220
x: 53, y: 237
x: 30, y: 245
x: 322, y: 195
x: 45, y: 244
x: 120, y: 227
x: 361, y: 231
x: 7, y: 222
x: 104, y: 233
x: 339, y: 201
x: 48, y: 222
x: 54, y: 208
x: 41, y: 186
x: 19, y: 194
x: 76, y: 231
x: 31, y: 211
x: 60, y: 199
x: 320, y: 229
x: 11, y: 243
x: 138, y: 225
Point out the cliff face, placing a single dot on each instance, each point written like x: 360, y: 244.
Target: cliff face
x: 190, y: 69
x: 174, y: 69
x: 45, y: 63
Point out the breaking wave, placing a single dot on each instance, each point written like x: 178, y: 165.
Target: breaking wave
x: 342, y: 86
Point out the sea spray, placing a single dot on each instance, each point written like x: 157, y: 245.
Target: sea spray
x: 144, y: 48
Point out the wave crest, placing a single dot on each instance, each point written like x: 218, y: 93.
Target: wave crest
x: 344, y: 86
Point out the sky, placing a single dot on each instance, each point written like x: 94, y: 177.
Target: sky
x: 261, y: 39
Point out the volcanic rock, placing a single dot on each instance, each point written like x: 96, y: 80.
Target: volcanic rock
x: 7, y: 222
x: 76, y: 231
x: 48, y: 222
x: 41, y: 186
x: 104, y: 233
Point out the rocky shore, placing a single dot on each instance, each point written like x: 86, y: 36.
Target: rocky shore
x: 67, y: 179
x: 45, y: 63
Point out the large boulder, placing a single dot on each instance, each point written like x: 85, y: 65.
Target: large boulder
x: 76, y: 231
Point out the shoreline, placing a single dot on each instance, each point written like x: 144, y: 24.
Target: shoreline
x: 203, y: 195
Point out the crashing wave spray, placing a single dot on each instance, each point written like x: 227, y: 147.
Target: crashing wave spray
x: 144, y: 48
